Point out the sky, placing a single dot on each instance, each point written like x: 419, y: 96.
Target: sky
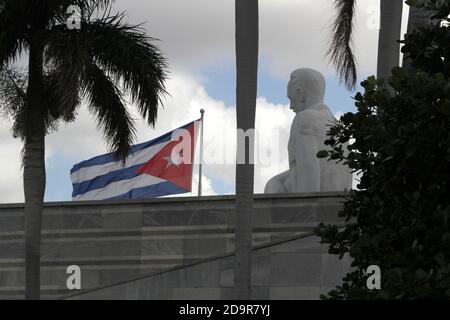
x: 197, y: 38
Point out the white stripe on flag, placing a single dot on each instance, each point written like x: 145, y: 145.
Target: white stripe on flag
x: 118, y: 188
x: 139, y: 157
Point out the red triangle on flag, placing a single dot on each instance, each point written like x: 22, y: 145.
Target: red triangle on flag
x: 168, y: 165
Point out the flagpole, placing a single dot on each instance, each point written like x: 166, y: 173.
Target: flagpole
x: 202, y: 112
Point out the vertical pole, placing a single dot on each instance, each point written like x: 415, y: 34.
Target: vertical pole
x: 202, y: 112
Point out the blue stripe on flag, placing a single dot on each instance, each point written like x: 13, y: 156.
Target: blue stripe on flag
x: 110, y: 157
x: 153, y: 191
x: 102, y: 181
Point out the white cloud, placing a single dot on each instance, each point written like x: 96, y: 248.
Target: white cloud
x: 196, y: 34
x: 273, y: 124
x: 199, y: 33
x: 80, y: 140
x: 296, y: 33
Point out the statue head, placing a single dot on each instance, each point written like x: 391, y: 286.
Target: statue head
x: 306, y: 88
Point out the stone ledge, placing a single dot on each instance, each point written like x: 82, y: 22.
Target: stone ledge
x: 257, y: 197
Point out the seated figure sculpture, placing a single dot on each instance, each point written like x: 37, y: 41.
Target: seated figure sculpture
x: 307, y: 173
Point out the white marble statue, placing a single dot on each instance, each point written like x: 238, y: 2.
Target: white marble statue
x: 307, y: 173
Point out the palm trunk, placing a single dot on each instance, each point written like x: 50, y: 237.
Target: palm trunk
x: 246, y: 90
x: 390, y: 29
x: 34, y: 172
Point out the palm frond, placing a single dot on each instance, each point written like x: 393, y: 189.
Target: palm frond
x: 123, y: 51
x: 58, y: 8
x: 12, y: 32
x: 127, y: 54
x: 107, y: 55
x: 13, y: 100
x: 340, y: 50
x: 61, y: 105
x: 65, y: 58
x: 13, y: 83
x: 106, y: 102
x: 95, y: 63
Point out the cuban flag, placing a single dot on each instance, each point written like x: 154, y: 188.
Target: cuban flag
x: 160, y: 167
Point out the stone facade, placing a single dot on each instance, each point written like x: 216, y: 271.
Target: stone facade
x: 119, y: 241
x: 299, y: 269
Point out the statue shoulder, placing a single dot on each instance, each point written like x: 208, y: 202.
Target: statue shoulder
x: 304, y: 123
x: 310, y: 122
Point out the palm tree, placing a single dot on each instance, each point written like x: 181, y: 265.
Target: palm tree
x: 340, y: 50
x: 390, y: 29
x: 341, y: 55
x: 247, y: 23
x: 99, y: 64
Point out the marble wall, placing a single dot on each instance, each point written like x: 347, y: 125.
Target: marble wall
x: 117, y: 241
x: 294, y: 270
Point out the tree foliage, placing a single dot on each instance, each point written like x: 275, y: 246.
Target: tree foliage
x: 398, y: 218
x: 100, y: 64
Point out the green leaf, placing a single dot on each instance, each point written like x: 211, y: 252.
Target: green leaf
x: 322, y: 154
